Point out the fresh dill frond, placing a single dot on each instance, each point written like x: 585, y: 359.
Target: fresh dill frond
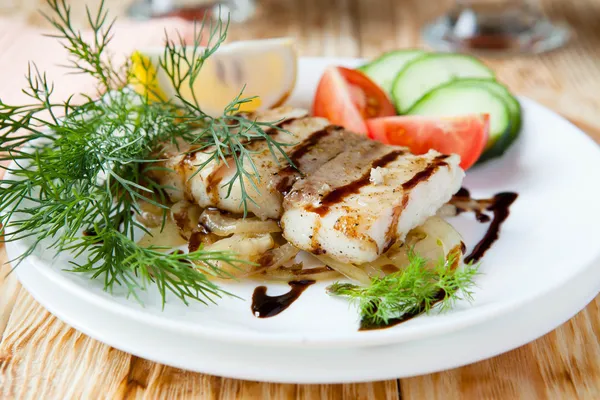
x: 89, y: 58
x: 414, y: 290
x: 81, y: 165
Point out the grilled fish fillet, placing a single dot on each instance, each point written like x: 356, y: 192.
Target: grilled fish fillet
x: 359, y: 203
x: 348, y: 197
x: 310, y: 143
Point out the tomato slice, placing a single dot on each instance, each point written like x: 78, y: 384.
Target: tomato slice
x: 462, y: 135
x: 347, y: 97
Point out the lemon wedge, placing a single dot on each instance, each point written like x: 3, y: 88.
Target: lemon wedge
x: 262, y: 68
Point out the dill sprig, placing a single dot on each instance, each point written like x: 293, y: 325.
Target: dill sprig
x: 81, y: 165
x: 415, y: 289
x: 89, y: 58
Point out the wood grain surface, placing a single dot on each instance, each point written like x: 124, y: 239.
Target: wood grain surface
x: 43, y: 358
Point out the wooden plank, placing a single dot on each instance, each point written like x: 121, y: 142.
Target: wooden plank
x: 561, y: 365
x: 41, y: 357
x: 9, y: 290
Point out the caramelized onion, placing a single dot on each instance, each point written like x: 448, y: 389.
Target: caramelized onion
x: 349, y: 270
x: 150, y: 216
x: 433, y: 240
x: 223, y: 225
x: 168, y: 237
x: 275, y: 258
x: 286, y: 274
x: 245, y: 247
x: 186, y: 215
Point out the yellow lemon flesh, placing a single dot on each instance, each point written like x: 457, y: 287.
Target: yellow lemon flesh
x: 263, y: 69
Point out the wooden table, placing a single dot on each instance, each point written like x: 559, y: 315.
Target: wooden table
x: 41, y: 357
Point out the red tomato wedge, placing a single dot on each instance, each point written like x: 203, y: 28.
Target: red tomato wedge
x: 463, y: 135
x: 347, y: 97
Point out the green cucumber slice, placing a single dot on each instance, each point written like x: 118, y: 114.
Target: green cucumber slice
x: 514, y: 107
x: 383, y: 70
x: 430, y: 71
x: 456, y: 98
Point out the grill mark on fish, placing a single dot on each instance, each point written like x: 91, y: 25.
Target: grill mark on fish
x: 407, y: 186
x: 212, y: 183
x: 310, y: 142
x: 426, y: 173
x: 180, y: 171
x: 314, y: 241
x: 390, y: 235
x: 289, y: 174
x: 339, y: 194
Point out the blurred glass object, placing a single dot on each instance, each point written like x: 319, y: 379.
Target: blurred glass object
x: 239, y: 10
x: 495, y: 27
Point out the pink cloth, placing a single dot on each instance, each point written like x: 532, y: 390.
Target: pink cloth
x: 20, y: 43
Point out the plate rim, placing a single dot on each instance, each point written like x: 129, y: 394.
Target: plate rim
x: 342, y: 375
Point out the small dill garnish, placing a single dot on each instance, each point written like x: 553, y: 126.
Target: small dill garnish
x: 413, y: 290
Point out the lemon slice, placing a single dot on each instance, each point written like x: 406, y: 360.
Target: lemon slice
x: 262, y: 68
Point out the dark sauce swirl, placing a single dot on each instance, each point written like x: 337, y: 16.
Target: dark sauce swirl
x: 500, y: 208
x: 265, y: 306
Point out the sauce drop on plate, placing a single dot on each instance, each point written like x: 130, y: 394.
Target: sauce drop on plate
x: 265, y: 306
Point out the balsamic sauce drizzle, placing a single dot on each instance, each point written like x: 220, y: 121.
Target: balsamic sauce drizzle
x: 265, y: 306
x: 426, y: 173
x: 500, y: 210
x: 499, y: 205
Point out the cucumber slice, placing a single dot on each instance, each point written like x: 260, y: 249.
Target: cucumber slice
x: 456, y: 98
x: 383, y: 70
x: 425, y: 73
x: 498, y: 89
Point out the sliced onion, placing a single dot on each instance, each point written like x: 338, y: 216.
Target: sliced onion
x: 246, y: 247
x: 223, y: 225
x: 286, y: 274
x: 275, y: 258
x: 351, y: 271
x: 151, y: 216
x: 169, y: 237
x: 434, y: 240
x: 186, y: 215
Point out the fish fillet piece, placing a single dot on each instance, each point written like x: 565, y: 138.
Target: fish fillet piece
x: 310, y: 143
x: 355, y: 206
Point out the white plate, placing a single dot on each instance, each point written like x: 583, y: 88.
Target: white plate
x: 297, y: 365
x: 549, y: 238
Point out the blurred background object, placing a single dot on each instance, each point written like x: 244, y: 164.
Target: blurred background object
x: 239, y: 10
x: 496, y: 27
